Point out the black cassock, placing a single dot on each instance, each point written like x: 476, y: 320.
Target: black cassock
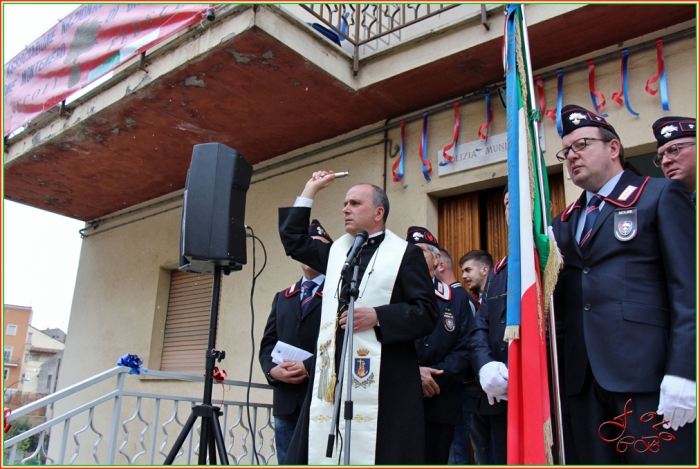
x: 411, y: 314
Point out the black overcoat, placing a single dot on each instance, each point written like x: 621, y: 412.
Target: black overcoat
x: 412, y: 313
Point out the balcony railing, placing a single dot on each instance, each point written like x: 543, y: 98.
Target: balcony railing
x: 142, y: 426
x: 376, y: 26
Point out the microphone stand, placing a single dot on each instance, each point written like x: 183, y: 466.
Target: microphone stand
x: 347, y: 345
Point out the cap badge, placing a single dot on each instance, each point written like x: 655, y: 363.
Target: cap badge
x: 417, y: 236
x: 576, y: 118
x: 320, y: 230
x: 668, y: 130
x: 691, y: 126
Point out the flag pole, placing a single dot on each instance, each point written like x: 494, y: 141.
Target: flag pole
x: 543, y: 205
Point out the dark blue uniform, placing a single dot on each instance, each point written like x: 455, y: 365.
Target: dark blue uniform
x: 286, y: 323
x: 446, y: 349
x: 625, y: 312
x: 486, y: 344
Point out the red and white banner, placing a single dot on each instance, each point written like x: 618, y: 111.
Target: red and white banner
x: 82, y: 47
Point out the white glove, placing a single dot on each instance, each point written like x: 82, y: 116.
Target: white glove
x: 677, y: 401
x: 493, y: 377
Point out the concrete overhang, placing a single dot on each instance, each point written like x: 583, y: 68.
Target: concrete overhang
x: 265, y: 84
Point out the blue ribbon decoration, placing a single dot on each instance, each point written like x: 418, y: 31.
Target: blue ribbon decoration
x: 133, y: 362
x: 424, y: 148
x: 560, y: 92
x: 664, y: 90
x: 489, y: 117
x: 625, y: 56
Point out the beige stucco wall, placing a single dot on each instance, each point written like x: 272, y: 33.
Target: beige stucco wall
x: 117, y: 309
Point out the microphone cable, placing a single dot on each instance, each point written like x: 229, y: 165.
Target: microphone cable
x: 252, y: 336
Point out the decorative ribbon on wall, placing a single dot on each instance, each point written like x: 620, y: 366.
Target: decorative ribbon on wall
x: 398, y: 167
x: 452, y: 146
x: 595, y: 94
x: 552, y: 114
x: 427, y: 167
x: 484, y: 128
x: 617, y: 96
x: 661, y: 77
x: 560, y: 91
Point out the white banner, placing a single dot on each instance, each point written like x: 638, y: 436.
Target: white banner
x: 474, y: 154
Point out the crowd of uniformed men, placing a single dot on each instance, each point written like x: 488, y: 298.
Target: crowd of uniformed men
x: 625, y: 315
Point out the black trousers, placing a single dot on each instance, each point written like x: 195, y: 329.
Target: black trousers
x: 438, y: 439
x: 621, y: 428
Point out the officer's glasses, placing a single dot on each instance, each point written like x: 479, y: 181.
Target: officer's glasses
x: 670, y: 153
x: 578, y: 146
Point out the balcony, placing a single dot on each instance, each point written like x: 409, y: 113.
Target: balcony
x: 261, y: 80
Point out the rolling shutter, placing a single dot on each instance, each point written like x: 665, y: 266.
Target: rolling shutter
x: 186, y: 334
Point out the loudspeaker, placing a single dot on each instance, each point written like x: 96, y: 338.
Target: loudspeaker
x: 212, y: 231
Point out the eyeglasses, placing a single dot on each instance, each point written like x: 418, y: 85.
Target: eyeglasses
x: 578, y: 146
x: 670, y: 153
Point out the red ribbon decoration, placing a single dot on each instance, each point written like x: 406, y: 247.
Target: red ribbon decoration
x: 660, y: 61
x: 552, y: 114
x: 452, y: 145
x: 398, y: 166
x: 617, y: 96
x: 591, y: 86
x: 219, y: 376
x: 6, y: 425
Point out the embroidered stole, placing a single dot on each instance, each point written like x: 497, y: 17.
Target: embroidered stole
x: 366, y: 355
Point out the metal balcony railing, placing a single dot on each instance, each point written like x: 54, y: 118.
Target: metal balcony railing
x: 377, y: 25
x: 142, y: 428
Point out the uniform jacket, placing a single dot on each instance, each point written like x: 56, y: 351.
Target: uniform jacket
x: 411, y: 314
x: 486, y: 342
x: 286, y: 324
x: 446, y: 349
x: 628, y: 307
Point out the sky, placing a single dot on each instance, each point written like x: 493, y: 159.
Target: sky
x: 40, y: 249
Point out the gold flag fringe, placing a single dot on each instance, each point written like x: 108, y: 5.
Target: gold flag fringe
x: 548, y: 441
x: 512, y: 333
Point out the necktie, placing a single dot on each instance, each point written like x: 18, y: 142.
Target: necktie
x: 591, y: 215
x: 306, y: 289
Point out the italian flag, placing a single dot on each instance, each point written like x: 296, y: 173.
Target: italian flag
x: 533, y: 261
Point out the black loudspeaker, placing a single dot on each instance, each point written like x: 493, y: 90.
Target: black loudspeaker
x: 212, y: 231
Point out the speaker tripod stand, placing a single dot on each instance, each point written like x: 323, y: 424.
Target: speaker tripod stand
x: 211, y: 439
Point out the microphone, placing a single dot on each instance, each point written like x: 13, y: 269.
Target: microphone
x: 360, y: 241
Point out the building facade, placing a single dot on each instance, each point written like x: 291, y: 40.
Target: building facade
x: 266, y: 84
x: 16, y: 321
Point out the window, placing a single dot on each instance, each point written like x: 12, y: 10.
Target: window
x: 7, y: 354
x: 11, y: 329
x: 48, y: 383
x: 29, y: 338
x: 26, y: 357
x: 186, y: 333
x: 6, y: 374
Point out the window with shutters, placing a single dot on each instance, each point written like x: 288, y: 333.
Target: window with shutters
x: 186, y: 333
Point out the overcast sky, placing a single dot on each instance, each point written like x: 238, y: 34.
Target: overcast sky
x: 40, y: 249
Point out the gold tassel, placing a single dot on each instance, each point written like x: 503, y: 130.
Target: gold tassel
x: 330, y: 390
x: 548, y: 441
x: 512, y: 333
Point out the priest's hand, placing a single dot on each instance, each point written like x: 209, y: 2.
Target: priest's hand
x: 365, y: 318
x: 430, y: 387
x: 319, y: 180
x: 290, y: 371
